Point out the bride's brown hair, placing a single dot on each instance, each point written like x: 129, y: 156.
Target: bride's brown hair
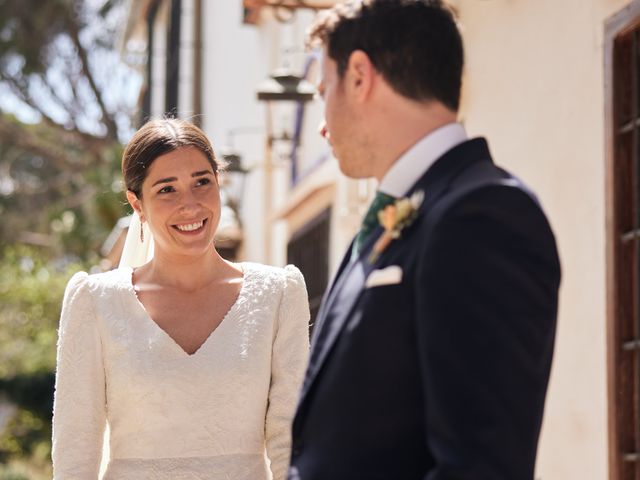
x: 155, y: 138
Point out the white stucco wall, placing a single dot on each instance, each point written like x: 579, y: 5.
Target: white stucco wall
x: 233, y: 65
x: 237, y: 58
x: 534, y: 86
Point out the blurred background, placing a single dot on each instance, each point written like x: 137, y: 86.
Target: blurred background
x: 553, y: 84
x: 66, y: 103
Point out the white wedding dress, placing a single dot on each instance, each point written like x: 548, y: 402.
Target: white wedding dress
x: 215, y: 414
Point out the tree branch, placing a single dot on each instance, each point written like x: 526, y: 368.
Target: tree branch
x: 95, y: 145
x: 20, y: 89
x: 19, y: 140
x: 112, y: 128
x: 57, y: 153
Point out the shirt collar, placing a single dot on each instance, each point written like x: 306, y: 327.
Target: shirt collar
x: 406, y: 171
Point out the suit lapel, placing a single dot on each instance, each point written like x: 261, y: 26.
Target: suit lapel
x: 348, y: 283
x: 328, y: 295
x: 346, y: 291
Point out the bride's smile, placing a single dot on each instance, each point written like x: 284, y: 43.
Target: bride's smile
x: 194, y: 227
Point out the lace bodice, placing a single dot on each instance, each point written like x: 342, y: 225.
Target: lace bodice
x: 173, y: 415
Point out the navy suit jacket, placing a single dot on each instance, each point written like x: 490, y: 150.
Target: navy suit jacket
x: 442, y: 376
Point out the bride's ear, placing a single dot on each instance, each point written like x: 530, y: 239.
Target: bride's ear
x: 135, y: 203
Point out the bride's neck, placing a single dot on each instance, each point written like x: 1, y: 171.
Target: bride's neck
x: 187, y: 272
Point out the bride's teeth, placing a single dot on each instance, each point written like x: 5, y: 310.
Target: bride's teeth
x: 190, y: 227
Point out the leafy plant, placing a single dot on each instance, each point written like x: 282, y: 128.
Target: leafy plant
x: 31, y: 290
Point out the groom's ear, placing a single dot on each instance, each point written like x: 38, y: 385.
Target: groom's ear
x: 135, y: 203
x: 360, y: 74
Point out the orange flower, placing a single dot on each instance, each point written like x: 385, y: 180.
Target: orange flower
x: 387, y: 217
x: 395, y: 218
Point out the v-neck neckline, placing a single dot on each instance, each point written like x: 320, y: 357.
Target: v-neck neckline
x: 232, y: 309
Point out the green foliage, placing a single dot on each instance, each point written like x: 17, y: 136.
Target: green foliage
x: 82, y: 228
x: 70, y: 213
x: 66, y: 98
x: 65, y: 103
x: 66, y: 50
x: 25, y: 34
x: 20, y: 470
x: 31, y: 291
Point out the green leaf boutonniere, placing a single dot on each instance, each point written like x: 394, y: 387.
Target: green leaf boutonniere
x: 395, y: 218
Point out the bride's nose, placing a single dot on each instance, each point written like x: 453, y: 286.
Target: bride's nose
x: 189, y: 201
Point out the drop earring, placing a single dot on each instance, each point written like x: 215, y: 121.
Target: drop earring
x: 141, y: 232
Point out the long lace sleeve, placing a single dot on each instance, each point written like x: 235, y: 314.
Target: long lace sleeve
x: 289, y: 361
x: 79, y: 412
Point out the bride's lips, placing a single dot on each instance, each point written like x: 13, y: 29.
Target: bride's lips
x: 190, y: 228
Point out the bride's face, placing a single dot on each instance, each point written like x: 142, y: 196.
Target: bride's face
x: 180, y: 202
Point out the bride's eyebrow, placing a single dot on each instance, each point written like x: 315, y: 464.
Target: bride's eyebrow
x: 164, y: 180
x: 199, y: 173
x: 202, y: 173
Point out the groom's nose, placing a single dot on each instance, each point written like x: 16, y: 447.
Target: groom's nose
x: 322, y: 130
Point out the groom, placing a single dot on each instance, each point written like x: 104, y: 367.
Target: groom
x: 431, y: 352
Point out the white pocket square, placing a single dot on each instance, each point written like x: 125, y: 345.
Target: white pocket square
x: 385, y: 276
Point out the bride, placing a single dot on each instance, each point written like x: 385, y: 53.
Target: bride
x: 194, y: 362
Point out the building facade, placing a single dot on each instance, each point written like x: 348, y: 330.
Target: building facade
x: 553, y: 85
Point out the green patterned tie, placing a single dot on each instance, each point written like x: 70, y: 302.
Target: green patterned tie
x: 370, y: 221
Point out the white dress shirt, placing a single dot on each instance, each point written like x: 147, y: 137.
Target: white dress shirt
x: 408, y: 169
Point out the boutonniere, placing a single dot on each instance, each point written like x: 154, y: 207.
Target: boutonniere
x: 395, y: 218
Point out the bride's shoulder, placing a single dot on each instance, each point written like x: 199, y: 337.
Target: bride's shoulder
x: 272, y: 275
x: 99, y: 283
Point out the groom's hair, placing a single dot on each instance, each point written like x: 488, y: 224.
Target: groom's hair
x: 414, y: 44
